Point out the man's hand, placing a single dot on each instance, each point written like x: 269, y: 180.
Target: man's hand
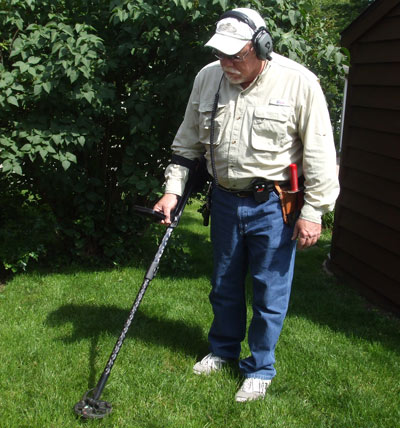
x: 165, y: 205
x: 306, y: 232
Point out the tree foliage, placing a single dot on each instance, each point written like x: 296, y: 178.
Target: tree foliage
x: 338, y: 14
x: 92, y: 93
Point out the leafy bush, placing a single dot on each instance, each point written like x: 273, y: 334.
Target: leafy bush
x: 27, y: 229
x: 92, y: 93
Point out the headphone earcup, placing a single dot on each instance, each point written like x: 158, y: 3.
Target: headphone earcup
x: 262, y: 42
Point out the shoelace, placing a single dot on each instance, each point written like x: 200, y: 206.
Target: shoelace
x: 211, y: 360
x: 256, y: 385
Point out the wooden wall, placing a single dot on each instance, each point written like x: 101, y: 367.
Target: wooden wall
x: 366, y: 237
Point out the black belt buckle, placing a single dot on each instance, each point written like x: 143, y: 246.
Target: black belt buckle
x: 261, y: 189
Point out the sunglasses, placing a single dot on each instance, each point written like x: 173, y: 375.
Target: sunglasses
x: 234, y: 58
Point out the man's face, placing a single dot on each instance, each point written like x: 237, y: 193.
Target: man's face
x: 242, y: 72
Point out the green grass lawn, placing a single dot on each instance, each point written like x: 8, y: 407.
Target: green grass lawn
x: 338, y: 361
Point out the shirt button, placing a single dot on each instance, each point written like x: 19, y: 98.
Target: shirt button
x: 234, y: 142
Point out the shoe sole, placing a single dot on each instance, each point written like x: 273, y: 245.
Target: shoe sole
x: 243, y: 399
x: 205, y: 372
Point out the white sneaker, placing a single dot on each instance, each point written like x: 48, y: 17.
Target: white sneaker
x: 210, y: 363
x: 252, y: 389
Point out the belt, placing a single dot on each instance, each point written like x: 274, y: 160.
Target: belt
x: 242, y: 193
x: 247, y: 193
x: 238, y: 193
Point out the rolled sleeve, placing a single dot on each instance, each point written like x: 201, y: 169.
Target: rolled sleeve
x: 176, y: 177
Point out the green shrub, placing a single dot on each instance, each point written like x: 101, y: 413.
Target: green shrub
x: 27, y: 230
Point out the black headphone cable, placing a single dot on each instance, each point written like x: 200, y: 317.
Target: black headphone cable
x: 212, y: 130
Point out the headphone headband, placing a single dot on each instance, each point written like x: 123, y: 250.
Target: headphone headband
x: 239, y: 16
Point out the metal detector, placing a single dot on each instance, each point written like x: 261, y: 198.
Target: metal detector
x: 90, y: 406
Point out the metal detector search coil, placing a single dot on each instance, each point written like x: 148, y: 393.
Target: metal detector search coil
x: 89, y: 408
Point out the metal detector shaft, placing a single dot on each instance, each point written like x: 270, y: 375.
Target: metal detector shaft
x: 150, y: 274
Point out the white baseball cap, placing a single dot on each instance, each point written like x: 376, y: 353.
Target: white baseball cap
x: 232, y: 35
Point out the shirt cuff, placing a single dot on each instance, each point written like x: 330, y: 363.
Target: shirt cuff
x: 176, y: 177
x: 311, y: 214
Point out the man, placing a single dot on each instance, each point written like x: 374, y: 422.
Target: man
x: 270, y: 112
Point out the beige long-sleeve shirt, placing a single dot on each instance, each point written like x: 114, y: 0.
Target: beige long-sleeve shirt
x: 281, y: 118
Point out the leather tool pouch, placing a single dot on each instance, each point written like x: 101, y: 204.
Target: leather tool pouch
x: 291, y: 203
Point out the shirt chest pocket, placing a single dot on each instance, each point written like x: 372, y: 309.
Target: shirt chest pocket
x: 205, y: 116
x: 270, y: 127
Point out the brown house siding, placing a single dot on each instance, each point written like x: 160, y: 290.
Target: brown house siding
x: 366, y: 237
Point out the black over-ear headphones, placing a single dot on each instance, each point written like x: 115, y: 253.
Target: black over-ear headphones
x: 262, y: 40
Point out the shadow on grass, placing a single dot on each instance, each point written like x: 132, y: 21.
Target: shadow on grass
x: 89, y: 322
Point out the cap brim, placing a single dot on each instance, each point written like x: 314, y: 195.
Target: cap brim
x: 226, y: 45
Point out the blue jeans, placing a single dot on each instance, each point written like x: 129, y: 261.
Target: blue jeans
x: 249, y: 236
